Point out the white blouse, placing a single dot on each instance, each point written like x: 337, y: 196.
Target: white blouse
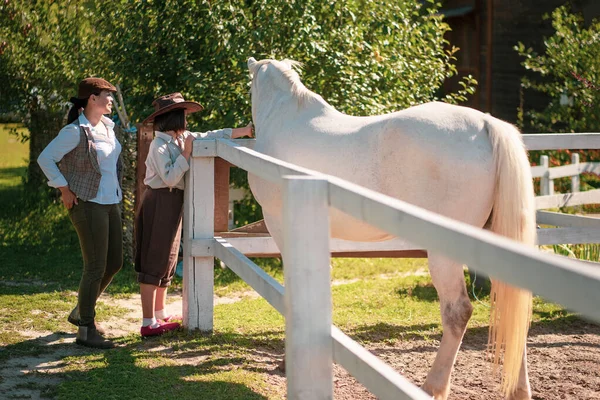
x: 108, y: 149
x: 165, y: 166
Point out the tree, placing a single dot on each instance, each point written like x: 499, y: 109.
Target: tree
x: 568, y: 74
x: 363, y: 56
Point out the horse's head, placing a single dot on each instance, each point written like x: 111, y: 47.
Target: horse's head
x: 272, y: 81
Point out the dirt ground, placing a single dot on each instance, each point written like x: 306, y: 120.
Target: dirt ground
x: 563, y: 364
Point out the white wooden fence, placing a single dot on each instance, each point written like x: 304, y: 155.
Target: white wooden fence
x: 312, y: 343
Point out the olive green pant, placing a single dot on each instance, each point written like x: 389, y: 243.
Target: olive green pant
x: 101, y: 239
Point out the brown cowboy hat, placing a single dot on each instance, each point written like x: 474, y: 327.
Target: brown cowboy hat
x: 90, y: 86
x: 170, y: 102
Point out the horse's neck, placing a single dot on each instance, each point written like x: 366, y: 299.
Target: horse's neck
x: 289, y: 106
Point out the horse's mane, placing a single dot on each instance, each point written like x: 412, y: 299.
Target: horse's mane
x: 292, y: 78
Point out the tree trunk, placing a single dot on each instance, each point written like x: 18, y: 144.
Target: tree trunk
x: 43, y: 126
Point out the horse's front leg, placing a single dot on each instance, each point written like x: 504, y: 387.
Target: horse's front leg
x: 456, y: 308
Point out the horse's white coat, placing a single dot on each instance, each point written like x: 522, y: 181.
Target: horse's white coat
x: 435, y: 155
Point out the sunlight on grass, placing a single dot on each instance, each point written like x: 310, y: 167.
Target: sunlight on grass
x: 46, y: 311
x: 13, y: 156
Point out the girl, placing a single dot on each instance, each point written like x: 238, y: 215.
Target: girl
x: 158, y: 224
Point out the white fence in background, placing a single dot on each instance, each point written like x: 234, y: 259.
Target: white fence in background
x: 312, y: 343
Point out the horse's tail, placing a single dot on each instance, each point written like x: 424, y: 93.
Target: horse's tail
x: 513, y: 216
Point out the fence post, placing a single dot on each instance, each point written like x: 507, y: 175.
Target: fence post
x: 198, y: 223
x: 306, y: 255
x: 546, y: 184
x: 575, y: 183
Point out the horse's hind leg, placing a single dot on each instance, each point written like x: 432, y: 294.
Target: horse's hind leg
x: 523, y: 391
x: 456, y: 308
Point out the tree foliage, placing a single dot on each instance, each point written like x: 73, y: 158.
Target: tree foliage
x: 568, y: 74
x: 363, y: 56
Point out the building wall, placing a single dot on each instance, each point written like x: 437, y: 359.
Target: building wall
x: 515, y: 21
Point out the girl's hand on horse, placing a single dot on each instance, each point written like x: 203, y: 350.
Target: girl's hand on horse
x: 68, y: 197
x: 240, y: 132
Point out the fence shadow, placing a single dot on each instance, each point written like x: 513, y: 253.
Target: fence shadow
x: 476, y: 337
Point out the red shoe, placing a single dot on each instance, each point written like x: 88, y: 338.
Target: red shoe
x: 163, y: 327
x: 172, y: 318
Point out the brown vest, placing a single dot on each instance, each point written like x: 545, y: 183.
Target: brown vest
x: 80, y: 167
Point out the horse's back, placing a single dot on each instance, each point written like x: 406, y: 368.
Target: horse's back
x: 436, y: 156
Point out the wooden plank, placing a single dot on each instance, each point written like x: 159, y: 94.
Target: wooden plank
x: 308, y: 304
x: 568, y: 236
x: 566, y: 220
x: 567, y: 199
x: 575, y: 182
x: 263, y: 166
x: 198, y: 275
x: 561, y: 141
x: 249, y: 143
x: 271, y: 290
x: 145, y: 134
x: 570, y: 283
x: 204, y: 148
x: 538, y: 171
x: 574, y: 169
x: 378, y: 377
x: 221, y: 195
x: 546, y: 184
x: 264, y: 246
x: 533, y: 141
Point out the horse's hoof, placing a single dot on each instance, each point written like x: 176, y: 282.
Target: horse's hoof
x: 520, y: 394
x: 433, y: 393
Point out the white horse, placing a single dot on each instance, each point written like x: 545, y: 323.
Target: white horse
x: 452, y: 160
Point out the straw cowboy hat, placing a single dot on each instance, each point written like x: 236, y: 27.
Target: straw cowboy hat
x: 170, y: 102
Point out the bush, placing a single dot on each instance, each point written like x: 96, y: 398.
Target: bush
x: 568, y: 74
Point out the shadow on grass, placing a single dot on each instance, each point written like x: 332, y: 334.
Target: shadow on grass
x: 421, y: 291
x: 12, y: 172
x: 39, y: 243
x: 200, y: 367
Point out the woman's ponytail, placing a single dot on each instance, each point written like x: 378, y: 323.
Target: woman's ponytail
x: 74, y: 111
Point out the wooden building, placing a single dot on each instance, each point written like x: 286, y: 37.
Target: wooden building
x: 486, y: 32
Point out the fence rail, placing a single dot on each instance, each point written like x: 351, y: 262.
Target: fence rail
x: 308, y: 315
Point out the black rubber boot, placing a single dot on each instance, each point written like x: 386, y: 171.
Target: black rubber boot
x: 90, y: 337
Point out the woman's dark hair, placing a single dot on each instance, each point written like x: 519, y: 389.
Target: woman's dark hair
x: 171, y: 121
x: 77, y: 104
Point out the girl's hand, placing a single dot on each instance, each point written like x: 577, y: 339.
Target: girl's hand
x: 188, y: 147
x: 240, y: 132
x: 189, y: 142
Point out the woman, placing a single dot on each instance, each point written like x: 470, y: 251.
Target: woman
x: 158, y: 224
x: 83, y: 163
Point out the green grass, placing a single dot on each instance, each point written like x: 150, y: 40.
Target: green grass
x: 380, y: 301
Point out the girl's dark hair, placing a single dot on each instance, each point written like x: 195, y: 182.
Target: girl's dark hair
x: 171, y: 121
x: 77, y: 104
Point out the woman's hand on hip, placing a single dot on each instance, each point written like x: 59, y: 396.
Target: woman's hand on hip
x: 68, y: 197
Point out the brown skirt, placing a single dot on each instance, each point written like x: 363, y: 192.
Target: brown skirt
x: 158, y: 234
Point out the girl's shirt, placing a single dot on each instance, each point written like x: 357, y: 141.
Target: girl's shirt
x: 165, y: 166
x: 108, y: 150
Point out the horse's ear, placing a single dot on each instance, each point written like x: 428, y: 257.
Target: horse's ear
x: 251, y: 64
